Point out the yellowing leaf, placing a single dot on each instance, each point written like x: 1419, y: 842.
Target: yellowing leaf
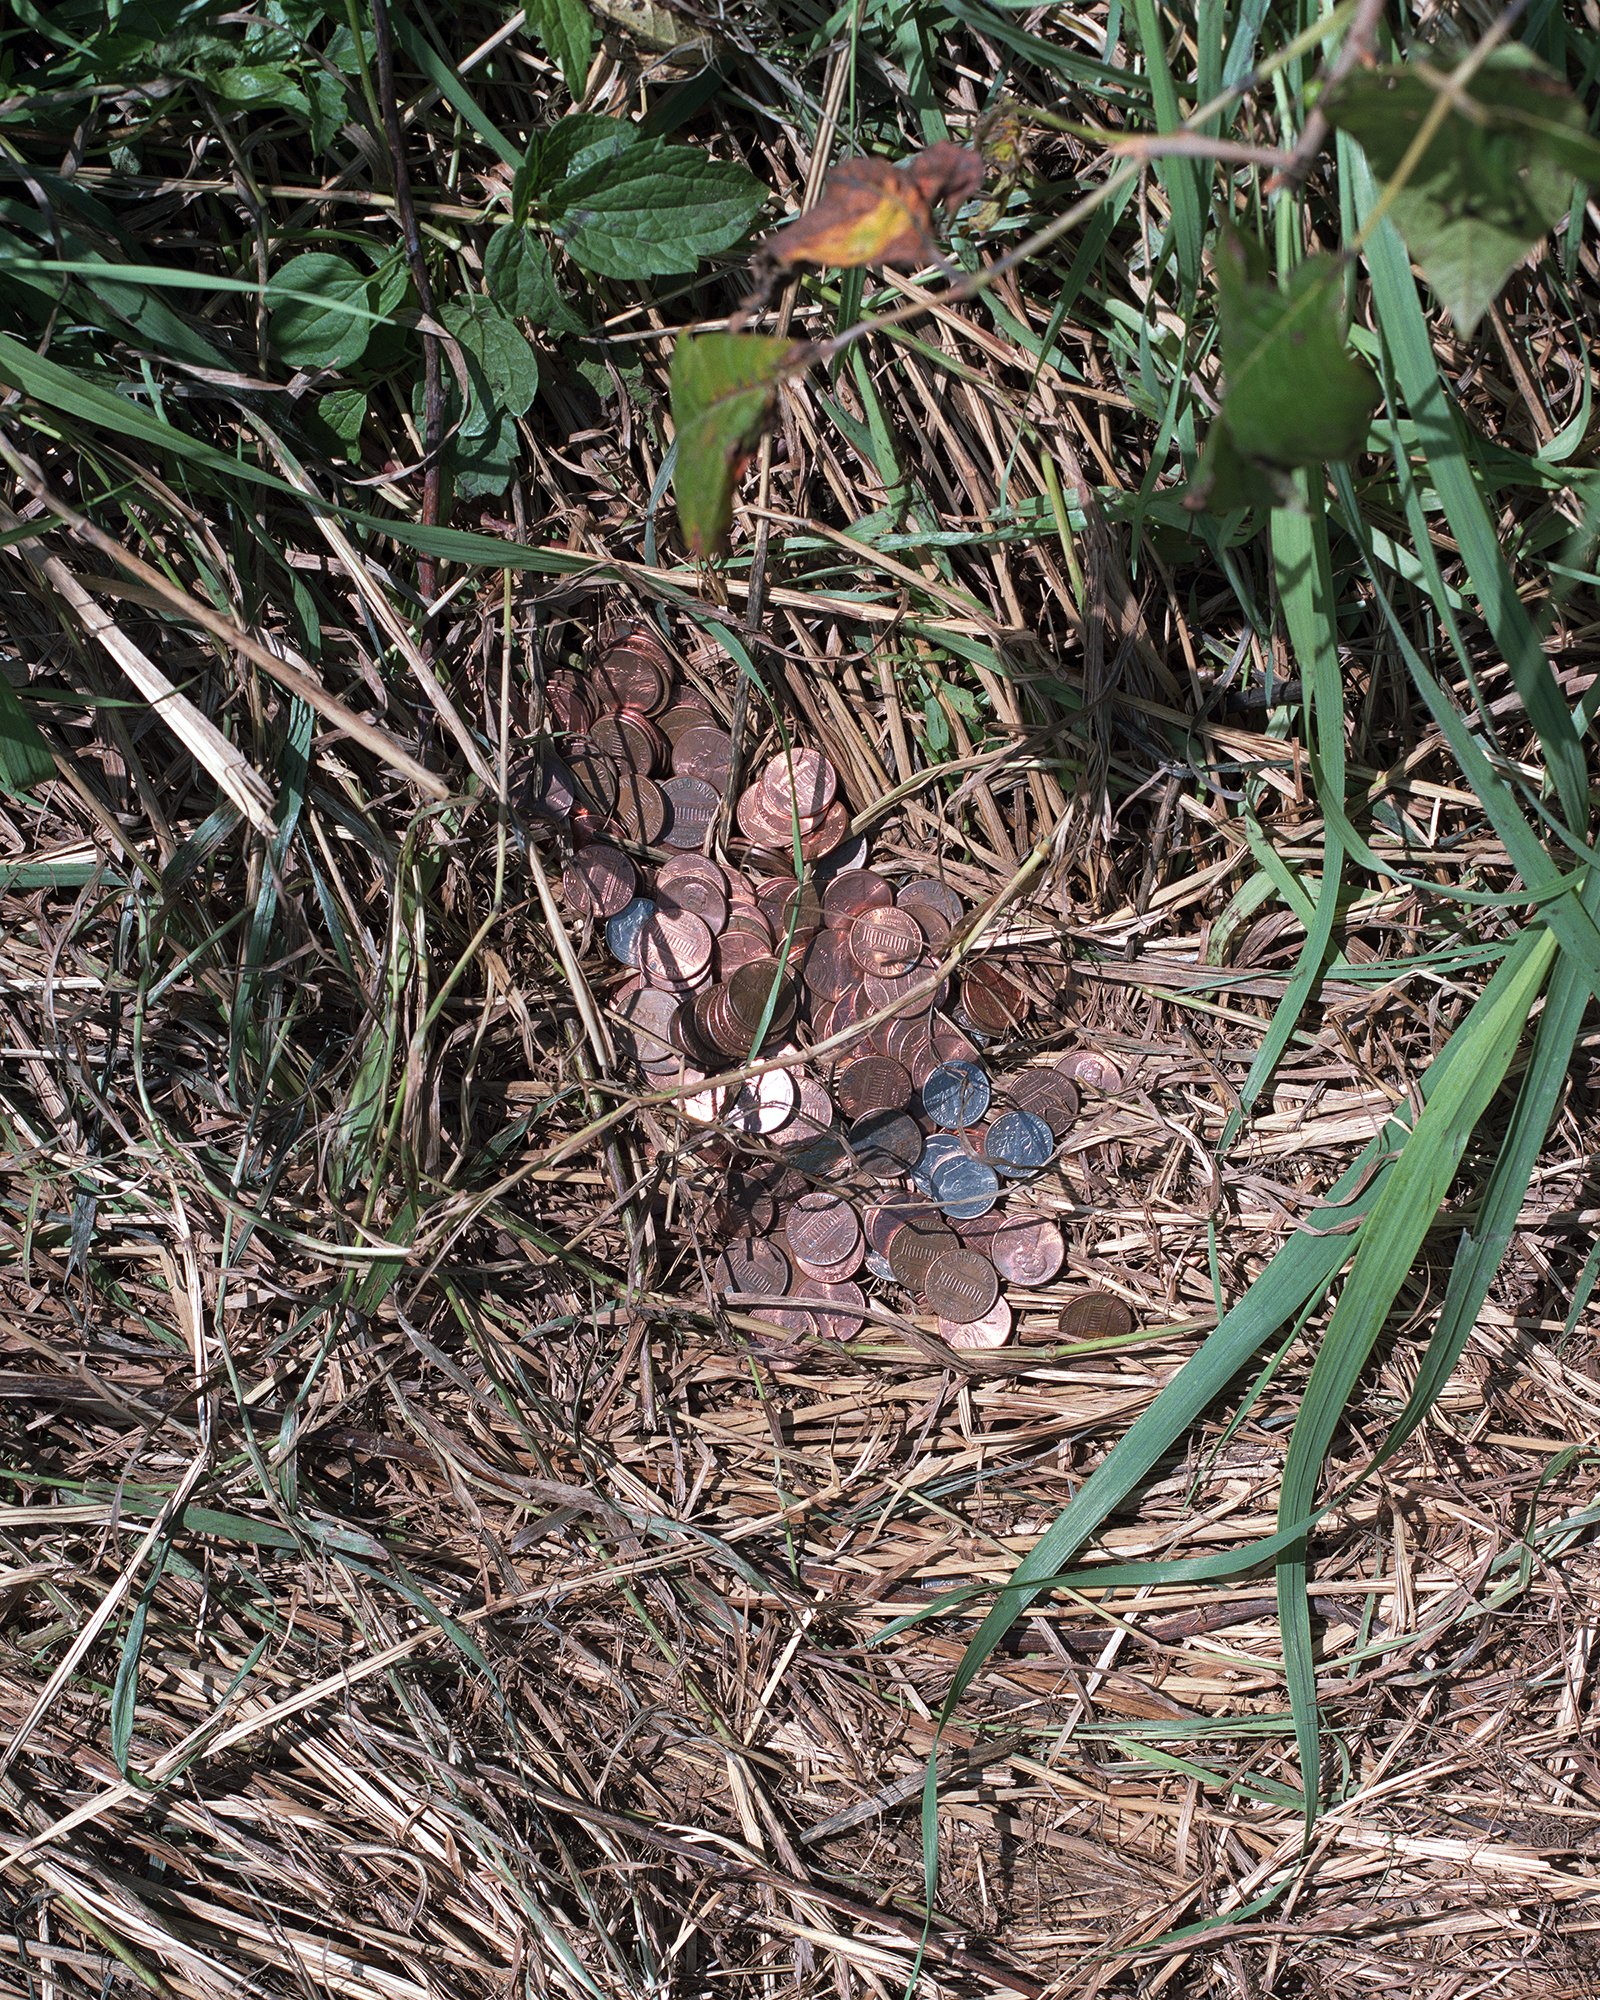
x: 873, y: 212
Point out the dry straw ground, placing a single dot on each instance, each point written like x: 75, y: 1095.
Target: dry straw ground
x: 458, y: 1620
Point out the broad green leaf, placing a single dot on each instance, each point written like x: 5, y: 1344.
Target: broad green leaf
x: 522, y: 281
x: 723, y: 386
x: 25, y: 759
x: 1493, y: 178
x: 498, y: 352
x: 318, y: 329
x: 1295, y: 394
x: 654, y: 209
x: 258, y: 83
x: 574, y: 144
x: 344, y: 411
x: 481, y: 465
x: 565, y: 31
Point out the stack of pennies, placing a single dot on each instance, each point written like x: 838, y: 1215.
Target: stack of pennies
x: 894, y: 1153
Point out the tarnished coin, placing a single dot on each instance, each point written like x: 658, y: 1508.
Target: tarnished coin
x: 762, y: 991
x: 752, y: 1267
x: 955, y: 1094
x: 885, y: 1143
x: 674, y: 948
x: 1096, y: 1316
x: 624, y: 930
x: 1018, y: 1145
x: 631, y: 677
x: 570, y: 707
x: 1048, y: 1095
x: 960, y: 1286
x: 952, y: 1045
x: 599, y: 880
x: 990, y: 1329
x: 813, y: 1119
x: 874, y: 1083
x: 1093, y: 1070
x: 1026, y: 1250
x: 692, y: 805
x: 824, y: 1235
x: 851, y: 893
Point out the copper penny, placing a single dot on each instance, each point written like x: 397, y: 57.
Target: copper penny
x: 648, y: 1016
x: 639, y: 811
x: 991, y: 1002
x: 764, y: 1103
x: 1026, y: 1250
x: 704, y: 752
x: 790, y: 1319
x: 828, y: 966
x: 885, y: 1143
x: 596, y: 774
x: 599, y: 880
x: 758, y: 823
x: 700, y: 1107
x: 692, y: 806
x: 904, y: 991
x: 824, y: 1235
x: 752, y: 1267
x: 738, y: 947
x: 839, y: 1306
x: 761, y: 990
x: 1092, y: 1070
x: 686, y: 713
x: 886, y: 942
x: 802, y: 783
x: 961, y: 1286
x: 785, y: 902
x: 674, y: 948
x: 935, y: 905
x: 813, y: 1116
x: 851, y: 893
x: 570, y: 708
x: 1096, y: 1316
x: 874, y: 1083
x: 950, y: 1044
x: 633, y: 742
x: 989, y: 1329
x: 916, y: 1245
x: 828, y: 832
x: 635, y: 680
x: 688, y: 882
x: 1048, y: 1095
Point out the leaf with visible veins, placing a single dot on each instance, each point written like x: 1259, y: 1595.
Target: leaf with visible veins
x: 723, y: 388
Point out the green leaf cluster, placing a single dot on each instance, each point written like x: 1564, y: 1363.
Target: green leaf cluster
x: 1295, y: 394
x: 1478, y: 163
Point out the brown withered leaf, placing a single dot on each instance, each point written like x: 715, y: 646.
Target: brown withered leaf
x: 873, y: 212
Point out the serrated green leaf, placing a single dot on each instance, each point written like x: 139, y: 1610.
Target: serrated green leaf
x: 504, y: 366
x: 565, y: 31
x: 1492, y: 180
x: 25, y: 759
x: 522, y: 280
x: 1295, y: 395
x: 722, y: 389
x: 344, y: 411
x: 318, y: 329
x: 654, y: 210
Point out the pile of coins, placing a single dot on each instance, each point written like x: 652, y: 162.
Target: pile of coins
x: 891, y: 1151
